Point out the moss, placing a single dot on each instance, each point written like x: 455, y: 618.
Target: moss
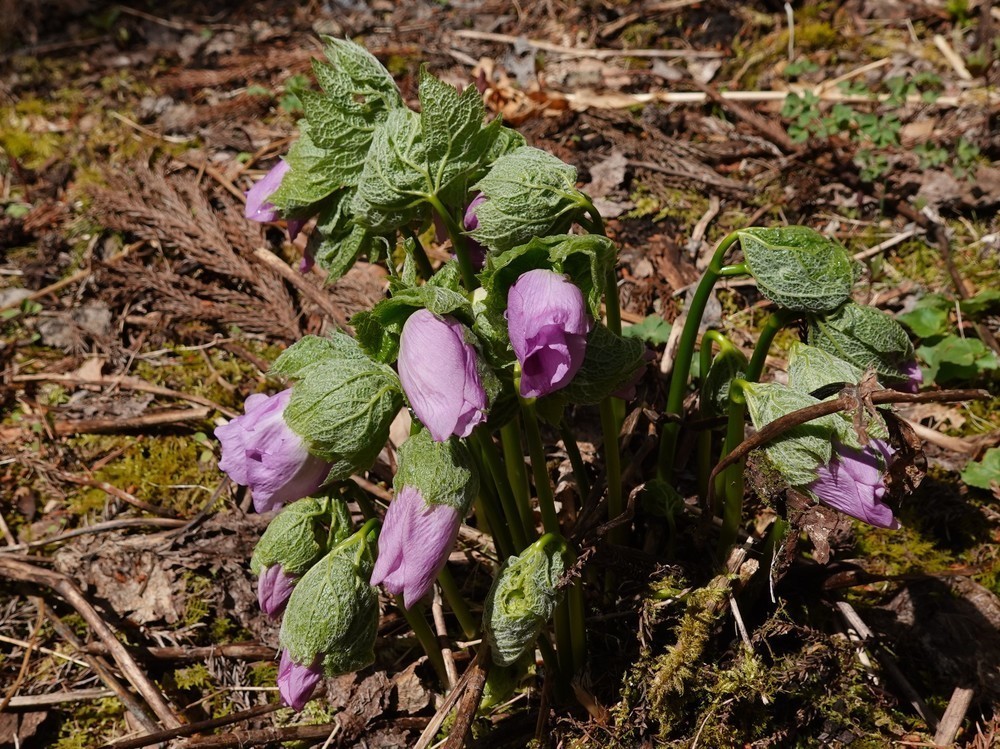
x: 193, y: 677
x: 91, y: 723
x: 196, y: 604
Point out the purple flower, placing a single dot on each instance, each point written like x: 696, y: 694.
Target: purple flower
x: 296, y: 682
x: 914, y: 377
x: 437, y: 368
x: 548, y: 326
x: 259, y: 208
x: 853, y: 483
x: 414, y: 544
x: 261, y: 451
x: 477, y: 253
x: 274, y: 587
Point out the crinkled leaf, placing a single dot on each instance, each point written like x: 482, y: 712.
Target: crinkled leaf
x: 798, y: 452
x: 313, y: 175
x: 522, y: 599
x: 811, y: 368
x: 342, y: 401
x: 797, y: 267
x: 530, y: 193
x: 443, y: 471
x: 865, y: 337
x: 333, y: 611
x: 298, y: 536
x: 611, y: 363
x: 378, y: 329
x: 336, y: 254
x: 586, y: 259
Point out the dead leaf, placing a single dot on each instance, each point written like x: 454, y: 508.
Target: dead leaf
x: 15, y: 728
x: 411, y: 695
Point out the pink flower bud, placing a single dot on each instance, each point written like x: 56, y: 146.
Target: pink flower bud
x: 274, y: 587
x: 548, y: 326
x: 414, y: 544
x: 477, y: 253
x: 853, y: 482
x: 437, y: 368
x: 296, y: 682
x: 259, y: 450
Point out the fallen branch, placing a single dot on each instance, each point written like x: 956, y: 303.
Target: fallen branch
x: 191, y: 728
x: 847, y: 400
x: 28, y: 573
x: 279, y: 734
x: 35, y: 701
x: 69, y: 427
x: 110, y: 525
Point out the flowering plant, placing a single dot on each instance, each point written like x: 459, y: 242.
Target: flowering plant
x: 493, y: 351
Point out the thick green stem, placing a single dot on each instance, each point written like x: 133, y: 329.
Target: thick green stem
x: 458, y: 244
x: 458, y: 605
x: 495, y: 465
x: 577, y: 620
x: 705, y: 436
x: 613, y: 466
x: 775, y: 322
x: 513, y: 456
x: 426, y: 637
x: 682, y: 359
x: 576, y: 460
x: 539, y: 468
x: 419, y: 254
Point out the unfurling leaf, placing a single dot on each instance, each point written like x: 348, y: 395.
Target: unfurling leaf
x: 301, y: 533
x: 443, y: 472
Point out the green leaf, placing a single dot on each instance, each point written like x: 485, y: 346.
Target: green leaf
x: 297, y: 537
x: 797, y: 453
x: 865, y: 337
x: 394, y: 181
x: 379, y: 328
x: 730, y: 364
x: 371, y: 87
x: 610, y: 364
x: 342, y: 402
x: 454, y: 138
x: 443, y: 472
x: 984, y: 301
x: 929, y: 317
x: 585, y: 258
x: 811, y: 368
x: 653, y: 329
x: 522, y: 599
x: 530, y: 194
x: 337, y: 253
x: 955, y: 358
x: 333, y: 611
x: 986, y: 472
x: 798, y: 268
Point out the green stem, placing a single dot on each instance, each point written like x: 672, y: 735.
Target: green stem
x: 458, y: 605
x: 496, y: 470
x: 775, y: 322
x: 536, y: 450
x: 561, y: 688
x: 487, y: 508
x: 419, y: 254
x: 426, y: 637
x: 457, y: 243
x: 577, y: 619
x: 576, y: 460
x: 740, y: 269
x: 613, y: 466
x: 682, y: 359
x: 732, y: 477
x: 513, y: 456
x: 705, y: 436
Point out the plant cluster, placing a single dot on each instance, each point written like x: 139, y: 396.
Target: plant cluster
x: 484, y: 351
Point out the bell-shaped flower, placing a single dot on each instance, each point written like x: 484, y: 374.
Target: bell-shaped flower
x: 296, y: 682
x: 414, y: 545
x: 438, y: 368
x: 470, y: 222
x: 548, y: 325
x: 274, y: 588
x: 853, y: 482
x: 258, y: 206
x: 259, y: 450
